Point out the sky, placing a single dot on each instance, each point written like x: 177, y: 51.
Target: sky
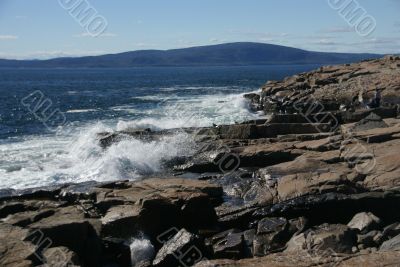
x: 46, y: 28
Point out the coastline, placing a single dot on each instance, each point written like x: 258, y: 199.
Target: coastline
x: 313, y: 184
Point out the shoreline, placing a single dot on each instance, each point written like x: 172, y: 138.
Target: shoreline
x: 313, y: 184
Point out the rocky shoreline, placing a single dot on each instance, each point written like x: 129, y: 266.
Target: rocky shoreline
x: 315, y: 184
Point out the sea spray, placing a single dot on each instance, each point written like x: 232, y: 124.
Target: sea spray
x: 141, y: 250
x: 74, y: 154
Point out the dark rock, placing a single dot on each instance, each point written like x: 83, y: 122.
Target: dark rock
x: 372, y: 121
x: 234, y: 216
x: 254, y: 99
x: 229, y: 244
x: 245, y: 131
x: 69, y: 228
x: 183, y: 247
x: 370, y: 239
x: 334, y: 207
x: 121, y: 221
x: 391, y: 231
x: 116, y: 250
x: 272, y: 236
x: 248, y: 237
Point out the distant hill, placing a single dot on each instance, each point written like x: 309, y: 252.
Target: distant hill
x: 232, y: 54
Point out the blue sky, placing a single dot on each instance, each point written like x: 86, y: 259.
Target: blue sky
x: 44, y: 29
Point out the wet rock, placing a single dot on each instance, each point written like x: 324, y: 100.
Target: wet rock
x: 365, y: 222
x: 248, y: 237
x: 272, y: 235
x: 254, y: 99
x: 116, y: 250
x: 182, y: 247
x: 235, y: 216
x: 245, y: 131
x: 229, y: 244
x: 198, y: 166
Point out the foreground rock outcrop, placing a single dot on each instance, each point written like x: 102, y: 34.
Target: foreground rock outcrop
x: 320, y: 188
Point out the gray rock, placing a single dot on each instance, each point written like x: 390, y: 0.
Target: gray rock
x: 272, y: 235
x: 364, y: 222
x: 391, y: 244
x: 334, y: 238
x: 391, y: 231
x: 372, y: 121
x: 174, y: 251
x: 231, y: 246
x: 61, y: 257
x: 370, y: 239
x: 271, y: 225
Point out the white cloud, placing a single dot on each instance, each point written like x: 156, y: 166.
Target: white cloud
x: 8, y: 37
x: 21, y: 17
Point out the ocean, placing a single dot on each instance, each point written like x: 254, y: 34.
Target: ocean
x: 49, y: 118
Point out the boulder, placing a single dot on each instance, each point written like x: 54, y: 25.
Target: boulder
x: 121, y: 221
x: 383, y: 170
x: 329, y: 178
x: 181, y: 248
x: 371, y: 239
x: 69, y: 227
x: 14, y: 251
x: 365, y: 222
x: 334, y: 238
x: 372, y: 121
x: 229, y: 244
x: 264, y: 155
x: 116, y: 251
x: 272, y: 235
x: 391, y: 231
x: 391, y: 244
x: 61, y: 257
x: 154, y: 205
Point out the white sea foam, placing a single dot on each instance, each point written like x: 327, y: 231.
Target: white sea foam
x: 141, y: 250
x: 81, y: 110
x: 194, y: 112
x: 79, y: 158
x: 75, y: 155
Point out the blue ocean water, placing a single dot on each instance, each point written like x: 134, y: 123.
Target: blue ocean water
x: 37, y: 149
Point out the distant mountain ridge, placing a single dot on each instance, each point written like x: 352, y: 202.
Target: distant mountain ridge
x: 231, y: 54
